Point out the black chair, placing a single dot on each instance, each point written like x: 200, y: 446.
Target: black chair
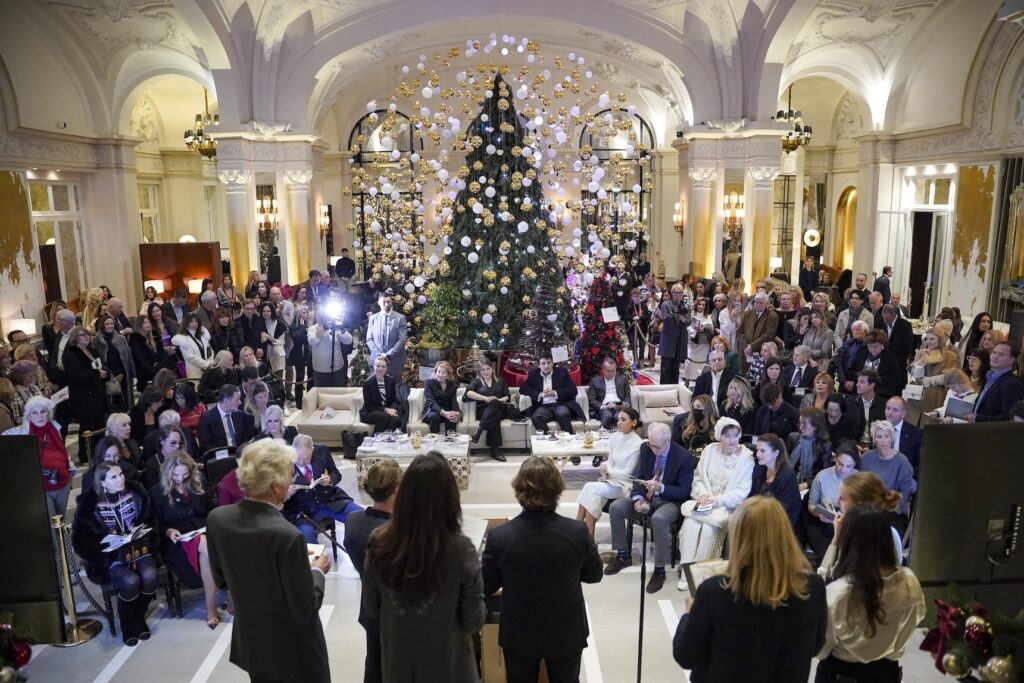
x: 210, y: 455
x: 172, y: 593
x: 217, y: 469
x: 636, y: 518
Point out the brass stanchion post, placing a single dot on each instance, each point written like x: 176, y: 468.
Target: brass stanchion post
x: 78, y: 630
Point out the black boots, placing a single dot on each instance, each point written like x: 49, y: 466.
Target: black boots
x: 129, y: 624
x: 496, y: 454
x: 142, y: 604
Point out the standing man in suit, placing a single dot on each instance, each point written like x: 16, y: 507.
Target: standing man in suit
x: 900, y: 331
x: 715, y: 383
x: 758, y: 325
x: 906, y: 437
x: 675, y: 319
x: 553, y: 396
x: 223, y: 426
x: 115, y: 309
x: 808, y: 278
x: 883, y: 283
x: 207, y: 309
x: 177, y: 307
x: 667, y: 471
x: 865, y: 408
x: 798, y: 378
x: 62, y: 340
x: 262, y: 560
x: 607, y: 394
x: 381, y: 404
x: 1001, y: 389
x: 539, y: 561
x: 385, y: 336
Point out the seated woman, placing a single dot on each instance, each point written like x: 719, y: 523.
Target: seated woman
x: 722, y: 481
x: 757, y: 366
x: 732, y: 360
x: 221, y: 371
x: 874, y: 604
x: 315, y: 495
x: 959, y: 387
x: 769, y: 598
x: 860, y: 487
x: 823, y: 387
x: 838, y: 426
x: 164, y: 383
x: 247, y: 359
x: 739, y: 404
x: 773, y: 476
x: 381, y: 404
x: 109, y: 450
x: 229, y: 491
x: 151, y: 444
x: 119, y: 427
x: 189, y: 407
x: 54, y: 461
x: 824, y: 494
x: 39, y: 378
x: 876, y: 356
x: 493, y: 405
x: 812, y: 450
x: 256, y: 404
x: 142, y: 416
x: 623, y: 458
x: 978, y: 366
x: 772, y: 374
x: 439, y: 404
x: 276, y: 428
x: 113, y: 506
x: 933, y: 360
x: 180, y: 507
x: 696, y: 429
x: 892, y: 467
x: 171, y: 440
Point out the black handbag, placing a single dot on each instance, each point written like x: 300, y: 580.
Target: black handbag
x: 350, y: 443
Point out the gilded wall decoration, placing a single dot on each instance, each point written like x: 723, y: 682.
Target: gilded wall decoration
x: 966, y: 286
x: 15, y: 229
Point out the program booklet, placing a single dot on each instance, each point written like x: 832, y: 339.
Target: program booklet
x: 115, y: 541
x: 699, y: 572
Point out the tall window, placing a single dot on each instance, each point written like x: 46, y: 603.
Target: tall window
x: 149, y: 212
x: 782, y: 217
x: 618, y: 139
x: 57, y: 222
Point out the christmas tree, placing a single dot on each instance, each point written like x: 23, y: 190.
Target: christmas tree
x: 502, y: 258
x: 598, y: 339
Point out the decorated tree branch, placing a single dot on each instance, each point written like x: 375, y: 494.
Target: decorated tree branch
x: 599, y: 339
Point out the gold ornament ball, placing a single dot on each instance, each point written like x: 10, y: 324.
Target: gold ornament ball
x: 526, y: 299
x: 978, y: 622
x: 484, y: 336
x: 490, y: 287
x: 997, y: 670
x: 472, y: 314
x: 954, y: 666
x: 504, y: 331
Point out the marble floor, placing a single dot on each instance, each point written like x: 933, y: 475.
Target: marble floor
x: 185, y: 650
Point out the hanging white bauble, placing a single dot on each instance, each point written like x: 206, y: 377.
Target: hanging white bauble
x: 490, y: 149
x: 447, y: 251
x: 490, y: 191
x: 372, y: 192
x: 371, y: 106
x: 487, y: 318
x: 626, y: 207
x: 522, y: 92
x: 527, y: 182
x: 473, y: 257
x: 523, y: 226
x: 593, y: 186
x: 419, y: 281
x: 530, y: 249
x: 387, y: 142
x: 466, y: 293
x: 601, y: 194
x: 434, y: 260
x: 569, y: 251
x: 478, y: 208
x: 410, y: 288
x: 527, y: 151
x: 636, y: 189
x: 442, y: 174
x: 465, y: 241
x: 504, y: 290
x: 428, y: 92
x: 631, y: 244
x: 588, y: 278
x: 602, y: 101
x: 421, y: 299
x: 414, y: 158
x: 375, y: 227
x: 387, y: 188
x: 395, y: 155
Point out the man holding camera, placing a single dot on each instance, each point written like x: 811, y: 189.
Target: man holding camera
x: 329, y: 346
x: 675, y: 317
x: 385, y: 336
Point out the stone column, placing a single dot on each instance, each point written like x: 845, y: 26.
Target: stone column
x: 112, y: 201
x: 297, y: 255
x: 760, y: 185
x: 241, y: 202
x: 877, y: 191
x: 702, y: 219
x: 661, y: 232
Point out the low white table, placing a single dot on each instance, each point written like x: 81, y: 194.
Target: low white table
x: 455, y: 452
x: 561, y: 450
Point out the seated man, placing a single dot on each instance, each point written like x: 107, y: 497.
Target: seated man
x: 775, y: 416
x: 906, y: 437
x: 1002, y: 389
x: 553, y: 395
x: 864, y: 409
x: 667, y: 471
x: 223, y: 426
x: 380, y: 399
x: 315, y: 494
x: 798, y: 378
x: 607, y: 394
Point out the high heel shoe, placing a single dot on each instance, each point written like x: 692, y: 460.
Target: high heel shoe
x: 213, y: 622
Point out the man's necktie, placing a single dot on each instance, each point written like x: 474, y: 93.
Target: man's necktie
x: 231, y: 431
x: 307, y: 472
x: 797, y: 377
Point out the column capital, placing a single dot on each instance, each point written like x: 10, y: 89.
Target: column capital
x: 298, y: 179
x: 702, y: 176
x: 235, y: 178
x: 763, y: 175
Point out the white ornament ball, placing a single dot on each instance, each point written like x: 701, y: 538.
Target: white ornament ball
x: 473, y: 257
x: 523, y: 226
x: 421, y: 299
x: 602, y: 101
x: 419, y: 281
x: 410, y: 288
x: 428, y: 92
x: 465, y: 241
x: 371, y: 106
x: 478, y: 208
x: 434, y: 260
x: 487, y: 318
x: 490, y: 149
x: 504, y: 290
x: 490, y: 191
x: 530, y: 249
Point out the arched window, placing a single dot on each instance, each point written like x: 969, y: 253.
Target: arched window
x: 619, y: 139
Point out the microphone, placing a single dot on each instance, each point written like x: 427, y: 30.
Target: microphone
x: 645, y: 508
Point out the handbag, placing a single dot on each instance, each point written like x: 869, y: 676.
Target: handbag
x: 350, y: 443
x: 113, y: 387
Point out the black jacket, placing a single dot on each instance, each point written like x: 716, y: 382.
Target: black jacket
x: 227, y: 339
x: 678, y: 476
x: 436, y: 399
x: 250, y: 329
x: 783, y: 488
x: 891, y: 372
x: 539, y: 561
x: 88, y: 530
x: 790, y: 392
x: 87, y: 392
x: 779, y: 422
x: 910, y: 444
x: 307, y: 500
x: 358, y: 527
x: 371, y: 396
x: 855, y: 414
x: 560, y: 382
x: 596, y: 393
x: 211, y: 429
x: 169, y: 314
x: 995, y: 405
x: 706, y: 381
x: 147, y: 360
x: 901, y: 341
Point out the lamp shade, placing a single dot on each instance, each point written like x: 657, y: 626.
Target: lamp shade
x: 158, y: 285
x: 186, y: 238
x: 775, y: 262
x: 334, y: 260
x: 26, y: 325
x: 195, y: 286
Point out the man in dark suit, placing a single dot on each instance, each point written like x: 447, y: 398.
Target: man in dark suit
x: 675, y: 319
x: 904, y: 312
x: 607, y: 394
x: 775, y: 416
x: 716, y: 382
x: 667, y: 471
x: 757, y: 326
x: 539, y: 560
x: 808, y: 278
x: 382, y: 406
x: 865, y: 407
x: 900, y: 331
x: 61, y: 341
x: 251, y: 325
x: 798, y: 378
x: 223, y: 426
x: 882, y: 284
x: 906, y: 437
x: 553, y: 396
x: 1002, y: 389
x: 324, y: 499
x: 177, y: 307
x: 262, y: 560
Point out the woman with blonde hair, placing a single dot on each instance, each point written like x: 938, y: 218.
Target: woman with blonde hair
x: 931, y: 363
x: 732, y: 359
x: 739, y: 404
x: 769, y: 597
x: 958, y: 386
x: 256, y: 404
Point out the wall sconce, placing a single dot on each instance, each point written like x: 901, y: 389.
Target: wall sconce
x: 324, y: 221
x: 158, y: 285
x: 677, y: 218
x: 195, y: 286
x: 733, y: 210
x: 26, y: 325
x: 186, y: 238
x: 775, y: 262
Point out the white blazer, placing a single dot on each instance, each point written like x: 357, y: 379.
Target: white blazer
x: 195, y: 364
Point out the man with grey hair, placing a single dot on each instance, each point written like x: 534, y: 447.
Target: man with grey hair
x: 207, y: 307
x: 798, y: 379
x: 115, y: 309
x: 665, y: 472
x: 315, y: 497
x: 757, y: 326
x: 65, y: 322
x: 846, y: 356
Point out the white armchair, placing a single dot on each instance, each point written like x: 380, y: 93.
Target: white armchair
x: 577, y: 425
x: 652, y: 400
x: 325, y: 426
x: 513, y: 434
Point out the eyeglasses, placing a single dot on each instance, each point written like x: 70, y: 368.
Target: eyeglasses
x: 174, y: 443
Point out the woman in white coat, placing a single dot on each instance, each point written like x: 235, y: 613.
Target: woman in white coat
x: 194, y: 344
x: 623, y: 456
x: 722, y: 480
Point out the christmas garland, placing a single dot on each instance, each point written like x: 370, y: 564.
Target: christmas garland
x: 15, y: 650
x: 968, y: 638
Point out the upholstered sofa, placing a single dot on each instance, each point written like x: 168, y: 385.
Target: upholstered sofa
x: 345, y: 403
x: 652, y: 400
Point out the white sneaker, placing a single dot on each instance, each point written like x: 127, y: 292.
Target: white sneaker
x: 683, y: 586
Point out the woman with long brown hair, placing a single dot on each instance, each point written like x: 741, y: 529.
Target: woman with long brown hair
x: 422, y: 581
x: 769, y: 597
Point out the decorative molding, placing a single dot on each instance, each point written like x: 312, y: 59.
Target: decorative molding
x: 298, y: 178
x: 235, y: 178
x: 270, y: 129
x: 764, y: 174
x: 849, y: 119
x: 702, y: 177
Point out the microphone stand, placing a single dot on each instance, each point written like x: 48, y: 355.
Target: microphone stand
x: 643, y: 597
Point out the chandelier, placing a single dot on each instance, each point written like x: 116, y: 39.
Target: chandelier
x: 199, y: 140
x: 801, y: 134
x: 732, y: 209
x: 266, y: 217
